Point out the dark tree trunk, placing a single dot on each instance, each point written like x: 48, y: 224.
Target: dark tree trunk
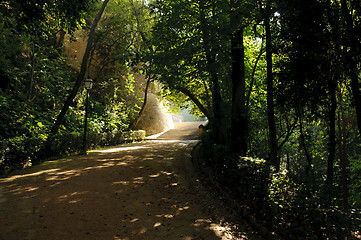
x: 332, y: 136
x: 239, y: 125
x: 350, y: 55
x: 217, y: 123
x: 5, y: 81
x: 304, y: 146
x: 355, y: 86
x: 343, y: 153
x: 195, y: 100
x: 270, y: 104
x: 81, y: 75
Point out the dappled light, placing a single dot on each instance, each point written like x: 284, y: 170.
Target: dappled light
x: 128, y: 192
x: 10, y: 179
x: 265, y: 96
x: 112, y: 150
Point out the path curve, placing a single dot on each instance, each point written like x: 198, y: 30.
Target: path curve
x: 181, y: 131
x: 144, y: 190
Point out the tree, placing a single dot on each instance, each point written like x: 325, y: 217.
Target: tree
x: 270, y: 104
x: 239, y: 113
x: 353, y: 37
x: 303, y: 80
x: 38, y: 22
x: 82, y: 72
x: 139, y: 12
x: 188, y: 52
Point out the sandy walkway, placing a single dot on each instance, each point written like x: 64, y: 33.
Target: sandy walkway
x: 137, y: 191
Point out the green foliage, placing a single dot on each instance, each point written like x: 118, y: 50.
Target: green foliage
x: 283, y: 190
x: 245, y: 179
x: 10, y: 48
x: 44, y: 18
x: 301, y: 212
x: 182, y: 38
x: 30, y: 113
x: 253, y: 177
x: 38, y: 78
x: 355, y: 186
x: 19, y: 152
x: 183, y: 46
x: 289, y: 206
x: 22, y: 151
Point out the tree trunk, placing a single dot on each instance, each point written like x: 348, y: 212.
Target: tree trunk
x: 81, y: 75
x: 304, y: 146
x: 248, y: 98
x: 332, y: 137
x: 270, y: 104
x: 137, y: 14
x: 142, y: 110
x: 217, y: 123
x: 356, y: 91
x: 343, y: 153
x: 239, y: 125
x: 350, y: 55
x: 195, y: 100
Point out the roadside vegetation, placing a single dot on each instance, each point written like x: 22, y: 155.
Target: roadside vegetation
x: 278, y: 80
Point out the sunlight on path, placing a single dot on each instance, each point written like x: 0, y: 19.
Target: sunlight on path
x: 143, y: 190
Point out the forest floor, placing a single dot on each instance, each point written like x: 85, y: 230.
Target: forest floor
x: 145, y: 190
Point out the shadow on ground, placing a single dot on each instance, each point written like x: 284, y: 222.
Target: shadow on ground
x: 138, y: 191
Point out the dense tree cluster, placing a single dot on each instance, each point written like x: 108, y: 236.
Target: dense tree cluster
x: 38, y: 80
x: 279, y: 80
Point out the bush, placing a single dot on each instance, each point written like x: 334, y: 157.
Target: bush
x: 20, y: 152
x: 289, y: 206
x: 245, y: 179
x: 300, y: 212
x: 68, y: 143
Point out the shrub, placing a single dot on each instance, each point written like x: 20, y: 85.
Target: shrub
x: 19, y: 152
x: 290, y: 206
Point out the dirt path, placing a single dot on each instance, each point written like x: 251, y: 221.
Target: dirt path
x: 143, y: 190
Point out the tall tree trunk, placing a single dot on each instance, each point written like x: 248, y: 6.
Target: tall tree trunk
x: 270, y: 104
x: 303, y: 143
x: 239, y: 125
x: 142, y: 110
x: 343, y: 153
x: 137, y: 15
x: 217, y: 123
x: 353, y: 52
x: 81, y: 74
x: 355, y: 86
x: 332, y: 136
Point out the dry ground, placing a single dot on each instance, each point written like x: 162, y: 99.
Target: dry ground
x: 145, y: 190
